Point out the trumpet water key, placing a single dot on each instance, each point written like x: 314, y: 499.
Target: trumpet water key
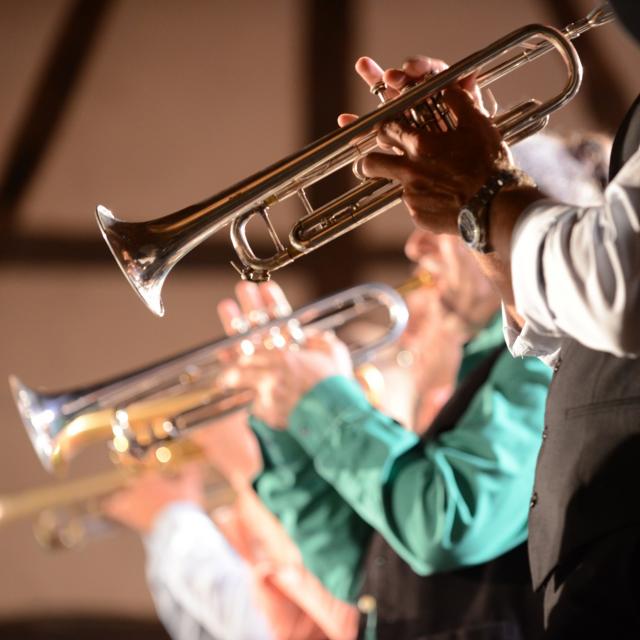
x: 147, y: 251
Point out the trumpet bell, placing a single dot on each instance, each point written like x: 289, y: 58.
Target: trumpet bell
x: 60, y: 424
x: 41, y: 421
x: 138, y: 256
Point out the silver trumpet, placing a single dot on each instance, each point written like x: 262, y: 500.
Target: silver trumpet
x: 147, y: 251
x: 158, y: 403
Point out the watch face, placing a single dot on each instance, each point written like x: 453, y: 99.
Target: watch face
x: 468, y: 226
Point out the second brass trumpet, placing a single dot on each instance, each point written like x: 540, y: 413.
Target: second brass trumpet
x: 164, y: 400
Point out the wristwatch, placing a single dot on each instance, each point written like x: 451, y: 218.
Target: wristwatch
x: 473, y: 218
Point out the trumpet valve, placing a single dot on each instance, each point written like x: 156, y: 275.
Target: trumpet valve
x: 250, y: 274
x: 379, y: 89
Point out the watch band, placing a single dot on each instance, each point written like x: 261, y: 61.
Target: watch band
x: 473, y: 219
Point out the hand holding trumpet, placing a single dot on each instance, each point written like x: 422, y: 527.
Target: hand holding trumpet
x: 439, y: 170
x: 280, y: 371
x: 138, y: 505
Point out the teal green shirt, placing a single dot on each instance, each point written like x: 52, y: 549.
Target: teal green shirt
x: 344, y: 468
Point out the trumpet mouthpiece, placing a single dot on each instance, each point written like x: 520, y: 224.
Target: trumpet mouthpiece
x: 600, y: 15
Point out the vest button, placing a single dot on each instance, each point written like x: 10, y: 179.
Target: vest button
x: 556, y: 366
x: 380, y: 561
x: 545, y: 432
x: 534, y: 500
x: 367, y: 604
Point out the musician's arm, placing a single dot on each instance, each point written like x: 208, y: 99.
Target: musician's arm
x: 574, y: 270
x: 330, y: 535
x: 200, y: 586
x: 448, y: 503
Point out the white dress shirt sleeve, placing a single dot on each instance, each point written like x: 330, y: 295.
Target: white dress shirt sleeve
x: 201, y: 587
x: 576, y: 272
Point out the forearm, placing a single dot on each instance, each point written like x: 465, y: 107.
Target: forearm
x: 358, y: 450
x: 431, y: 503
x: 198, y: 581
x: 575, y: 269
x: 506, y: 208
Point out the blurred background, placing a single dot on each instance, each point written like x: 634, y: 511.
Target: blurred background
x: 147, y: 106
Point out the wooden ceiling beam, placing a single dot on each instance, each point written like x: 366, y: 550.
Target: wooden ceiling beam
x: 46, y: 106
x: 46, y: 250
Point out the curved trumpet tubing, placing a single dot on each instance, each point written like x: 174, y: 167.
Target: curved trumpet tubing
x: 147, y: 251
x: 164, y: 400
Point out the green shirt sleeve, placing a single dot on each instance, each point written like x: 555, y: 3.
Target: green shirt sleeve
x: 458, y: 500
x: 330, y: 535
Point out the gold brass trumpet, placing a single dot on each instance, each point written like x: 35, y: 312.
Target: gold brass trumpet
x: 162, y: 401
x: 67, y: 513
x: 147, y: 251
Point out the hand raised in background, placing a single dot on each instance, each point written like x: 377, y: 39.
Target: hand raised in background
x: 279, y: 371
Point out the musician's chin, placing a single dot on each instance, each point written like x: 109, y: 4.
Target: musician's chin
x: 414, y: 216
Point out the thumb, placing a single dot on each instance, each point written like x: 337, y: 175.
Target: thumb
x: 470, y: 85
x: 463, y: 105
x: 346, y: 118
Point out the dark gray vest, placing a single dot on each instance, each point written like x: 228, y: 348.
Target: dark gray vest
x: 490, y: 601
x: 589, y: 464
x: 588, y: 470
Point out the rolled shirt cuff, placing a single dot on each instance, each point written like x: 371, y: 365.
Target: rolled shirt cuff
x: 538, y: 336
x: 524, y: 341
x: 279, y: 448
x: 527, y: 272
x: 338, y: 427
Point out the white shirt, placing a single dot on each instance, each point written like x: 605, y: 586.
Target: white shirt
x: 202, y: 589
x: 576, y: 272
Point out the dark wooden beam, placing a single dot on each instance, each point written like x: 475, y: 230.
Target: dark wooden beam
x: 46, y: 106
x: 328, y: 71
x: 47, y: 249
x: 326, y: 85
x: 329, y: 63
x: 37, y: 250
